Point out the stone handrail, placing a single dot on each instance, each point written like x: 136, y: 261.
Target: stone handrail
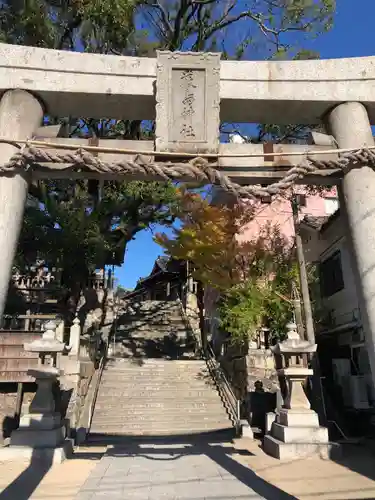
x: 85, y: 419
x: 231, y: 403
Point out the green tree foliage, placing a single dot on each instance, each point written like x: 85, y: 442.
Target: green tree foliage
x: 254, y: 278
x: 66, y: 227
x: 271, y: 28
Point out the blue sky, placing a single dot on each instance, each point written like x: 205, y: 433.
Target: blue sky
x: 351, y: 36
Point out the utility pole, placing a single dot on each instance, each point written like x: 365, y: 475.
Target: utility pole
x: 303, y: 274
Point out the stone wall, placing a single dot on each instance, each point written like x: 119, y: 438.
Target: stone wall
x: 260, y: 366
x: 8, y: 402
x: 74, y: 392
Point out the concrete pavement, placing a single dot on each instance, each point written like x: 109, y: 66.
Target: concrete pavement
x: 220, y: 471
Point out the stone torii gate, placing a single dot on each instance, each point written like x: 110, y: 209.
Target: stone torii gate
x: 189, y: 95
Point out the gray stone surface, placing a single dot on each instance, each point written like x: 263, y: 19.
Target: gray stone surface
x: 187, y: 102
x: 20, y: 116
x: 351, y: 128
x: 170, y: 472
x: 297, y: 450
x: 158, y: 397
x: 100, y: 85
x: 300, y: 434
x: 55, y: 455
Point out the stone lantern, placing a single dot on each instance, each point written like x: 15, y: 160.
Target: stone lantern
x: 41, y: 433
x: 296, y: 431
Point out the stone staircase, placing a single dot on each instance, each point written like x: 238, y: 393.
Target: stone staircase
x: 157, y: 397
x: 153, y: 384
x: 153, y: 329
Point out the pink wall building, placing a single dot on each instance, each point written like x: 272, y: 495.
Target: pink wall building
x: 279, y: 213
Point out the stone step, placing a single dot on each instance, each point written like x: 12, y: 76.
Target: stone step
x: 300, y: 434
x: 190, y: 373
x: 155, y: 430
x: 156, y: 334
x: 150, y: 325
x: 155, y: 363
x: 150, y: 372
x: 178, y: 390
x: 156, y: 385
x: 165, y: 406
x: 162, y: 317
x: 214, y: 409
x: 130, y: 367
x: 201, y: 374
x: 291, y: 451
x: 109, y: 416
x: 158, y: 421
x: 218, y: 435
x: 116, y: 364
x: 151, y: 306
x: 173, y: 314
x: 160, y: 395
x: 156, y: 382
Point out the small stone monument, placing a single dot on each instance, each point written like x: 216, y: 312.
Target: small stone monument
x: 41, y: 433
x: 296, y: 431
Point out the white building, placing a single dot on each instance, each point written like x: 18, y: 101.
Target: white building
x: 341, y: 340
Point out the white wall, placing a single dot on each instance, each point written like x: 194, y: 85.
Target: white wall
x: 320, y: 246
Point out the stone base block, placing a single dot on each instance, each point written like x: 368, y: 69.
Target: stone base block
x: 246, y: 430
x: 40, y: 421
x: 270, y: 419
x: 293, y: 451
x: 300, y: 434
x: 38, y: 438
x: 298, y: 418
x: 51, y: 456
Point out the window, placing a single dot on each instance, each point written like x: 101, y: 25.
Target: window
x: 301, y: 200
x: 331, y: 278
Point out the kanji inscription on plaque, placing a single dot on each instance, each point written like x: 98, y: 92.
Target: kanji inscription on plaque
x: 188, y: 102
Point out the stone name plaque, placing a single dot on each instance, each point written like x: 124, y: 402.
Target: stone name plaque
x: 187, y: 102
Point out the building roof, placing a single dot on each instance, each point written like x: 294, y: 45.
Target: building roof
x: 314, y: 222
x: 321, y: 223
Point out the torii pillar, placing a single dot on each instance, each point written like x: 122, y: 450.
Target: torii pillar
x: 350, y: 125
x: 20, y: 115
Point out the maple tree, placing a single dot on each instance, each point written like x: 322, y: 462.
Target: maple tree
x: 254, y: 278
x: 207, y: 238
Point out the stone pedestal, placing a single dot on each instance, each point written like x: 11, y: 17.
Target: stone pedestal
x: 296, y: 432
x: 42, y: 432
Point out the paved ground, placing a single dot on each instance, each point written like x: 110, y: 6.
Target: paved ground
x: 174, y: 471
x: 212, y: 471
x: 22, y: 481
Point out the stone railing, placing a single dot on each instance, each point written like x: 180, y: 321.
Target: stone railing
x: 26, y: 322
x: 24, y: 281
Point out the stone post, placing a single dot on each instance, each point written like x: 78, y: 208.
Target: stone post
x: 75, y: 337
x: 60, y: 331
x: 42, y: 431
x: 20, y: 115
x: 349, y: 124
x: 296, y: 431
